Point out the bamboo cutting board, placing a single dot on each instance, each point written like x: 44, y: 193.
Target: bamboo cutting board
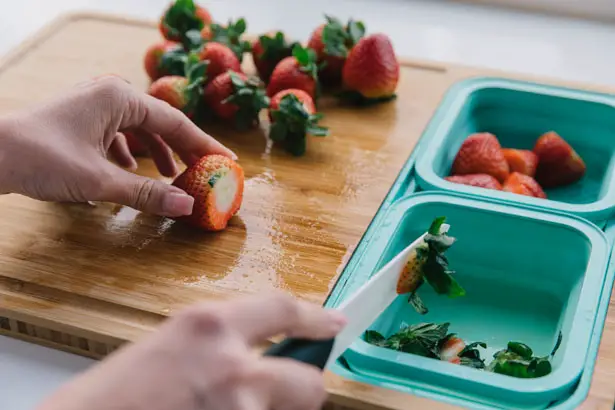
x: 86, y: 279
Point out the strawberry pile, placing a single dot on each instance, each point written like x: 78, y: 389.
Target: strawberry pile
x: 197, y: 68
x: 482, y: 162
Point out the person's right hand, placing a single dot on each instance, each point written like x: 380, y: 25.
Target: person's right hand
x: 202, y: 359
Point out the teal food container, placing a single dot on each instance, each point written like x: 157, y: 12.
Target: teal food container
x: 516, y: 290
x: 518, y: 113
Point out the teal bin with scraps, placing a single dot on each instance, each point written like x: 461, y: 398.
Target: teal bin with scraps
x: 536, y: 272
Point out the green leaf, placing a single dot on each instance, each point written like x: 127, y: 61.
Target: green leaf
x: 240, y: 26
x: 436, y: 225
x: 181, y: 17
x: 472, y: 347
x: 374, y: 338
x: 558, y: 343
x: 301, y: 54
x: 277, y: 132
x: 237, y: 81
x: 356, y: 31
x: 417, y: 304
x: 173, y: 62
x: 473, y: 362
x: 521, y: 349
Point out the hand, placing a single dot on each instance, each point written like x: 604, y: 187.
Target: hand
x: 201, y: 359
x: 57, y: 151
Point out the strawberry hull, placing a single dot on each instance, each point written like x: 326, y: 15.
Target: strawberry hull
x: 518, y: 114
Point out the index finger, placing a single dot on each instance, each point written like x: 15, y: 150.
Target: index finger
x: 260, y: 317
x: 177, y: 130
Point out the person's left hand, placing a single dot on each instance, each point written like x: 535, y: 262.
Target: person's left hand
x: 57, y: 151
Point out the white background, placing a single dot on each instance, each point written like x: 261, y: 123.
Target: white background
x: 538, y: 44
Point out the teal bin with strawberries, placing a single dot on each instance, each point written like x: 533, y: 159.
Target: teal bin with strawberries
x: 537, y: 272
x: 549, y: 147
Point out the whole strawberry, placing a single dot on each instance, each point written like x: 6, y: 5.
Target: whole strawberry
x: 332, y: 41
x: 298, y: 72
x: 181, y: 17
x: 481, y: 153
x: 371, y: 71
x: 216, y: 183
x: 558, y: 163
x: 268, y: 50
x: 183, y: 93
x: 220, y: 59
x: 235, y: 97
x: 293, y: 116
x: 230, y: 35
x: 164, y: 58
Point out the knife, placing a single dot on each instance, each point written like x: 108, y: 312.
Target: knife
x: 361, y: 309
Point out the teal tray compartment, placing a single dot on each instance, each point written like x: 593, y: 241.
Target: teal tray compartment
x: 518, y: 291
x: 518, y: 113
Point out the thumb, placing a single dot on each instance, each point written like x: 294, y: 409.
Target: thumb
x: 148, y: 195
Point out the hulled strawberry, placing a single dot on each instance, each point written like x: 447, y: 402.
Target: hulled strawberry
x: 520, y: 160
x: 268, y: 50
x: 183, y: 93
x: 481, y: 153
x: 427, y: 263
x: 181, y: 17
x: 477, y: 180
x: 522, y: 184
x: 216, y: 182
x: 371, y: 70
x: 293, y: 116
x: 164, y: 58
x: 230, y: 35
x: 332, y: 41
x: 234, y: 96
x: 297, y: 72
x: 558, y: 163
x: 220, y: 59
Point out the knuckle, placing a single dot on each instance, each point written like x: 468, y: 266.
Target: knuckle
x: 202, y: 322
x: 143, y: 193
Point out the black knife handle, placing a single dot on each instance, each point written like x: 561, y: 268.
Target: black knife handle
x: 314, y: 352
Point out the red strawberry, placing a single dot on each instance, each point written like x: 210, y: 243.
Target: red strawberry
x: 558, y: 163
x: 332, y: 42
x: 371, y: 70
x: 268, y: 50
x: 477, y: 180
x: 234, y: 96
x: 154, y: 64
x: 216, y: 182
x: 136, y: 147
x: 522, y: 161
x: 293, y: 116
x: 182, y: 93
x: 521, y: 184
x: 181, y: 17
x: 220, y: 59
x: 230, y: 35
x: 450, y: 349
x: 481, y: 153
x: 298, y: 72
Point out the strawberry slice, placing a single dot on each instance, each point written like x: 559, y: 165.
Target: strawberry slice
x: 558, y: 163
x: 451, y: 348
x: 481, y: 154
x: 216, y: 182
x: 521, y: 184
x: 521, y: 160
x: 477, y: 180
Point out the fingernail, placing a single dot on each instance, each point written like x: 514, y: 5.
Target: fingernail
x: 234, y: 156
x: 175, y: 204
x: 337, y: 318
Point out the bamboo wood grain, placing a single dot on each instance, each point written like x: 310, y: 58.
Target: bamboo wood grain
x: 87, y: 279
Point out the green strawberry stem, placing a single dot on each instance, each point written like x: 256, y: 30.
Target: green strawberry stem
x: 230, y: 36
x: 417, y: 304
x: 196, y: 74
x: 275, y: 48
x: 291, y: 124
x: 306, y: 57
x: 181, y: 18
x: 337, y: 39
x: 250, y: 97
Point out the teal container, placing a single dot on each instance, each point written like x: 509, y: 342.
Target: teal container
x: 518, y: 113
x: 528, y: 275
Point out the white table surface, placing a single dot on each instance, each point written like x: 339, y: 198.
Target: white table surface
x: 473, y: 35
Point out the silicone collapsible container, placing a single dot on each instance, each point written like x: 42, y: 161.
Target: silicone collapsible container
x: 518, y: 113
x: 528, y: 275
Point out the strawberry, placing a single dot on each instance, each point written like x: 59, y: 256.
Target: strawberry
x: 136, y: 147
x: 451, y: 348
x: 293, y: 116
x: 477, y: 180
x: 164, y: 58
x: 181, y: 17
x: 298, y: 72
x: 216, y: 182
x: 371, y: 70
x: 481, y: 153
x: 220, y: 59
x: 183, y: 93
x: 332, y: 42
x: 558, y: 163
x: 520, y: 160
x: 522, y: 184
x: 428, y: 263
x: 268, y: 50
x: 234, y: 96
x: 229, y: 35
